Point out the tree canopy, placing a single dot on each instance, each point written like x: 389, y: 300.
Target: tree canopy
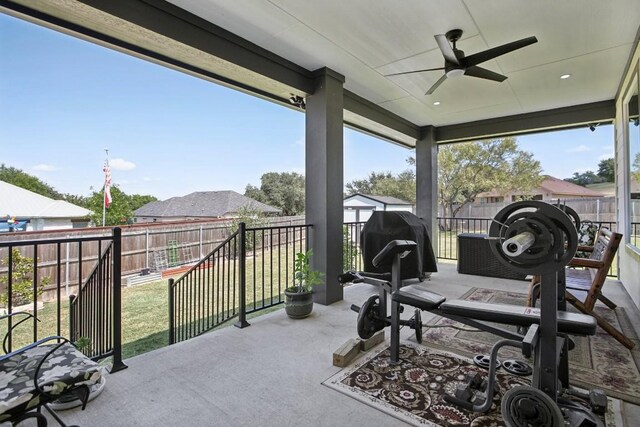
x: 401, y: 186
x: 464, y: 171
x: 120, y: 211
x: 284, y: 190
x: 606, y: 173
x: 468, y: 169
x: 22, y: 179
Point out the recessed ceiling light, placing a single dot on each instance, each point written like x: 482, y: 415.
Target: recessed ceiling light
x: 565, y: 76
x: 436, y: 103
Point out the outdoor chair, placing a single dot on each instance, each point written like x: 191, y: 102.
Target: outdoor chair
x: 40, y: 373
x: 588, y: 275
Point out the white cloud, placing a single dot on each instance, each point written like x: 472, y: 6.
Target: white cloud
x: 44, y: 168
x: 606, y: 156
x: 579, y: 149
x: 146, y: 179
x: 121, y: 164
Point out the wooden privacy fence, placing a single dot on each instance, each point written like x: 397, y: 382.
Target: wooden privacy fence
x: 601, y: 209
x: 178, y: 243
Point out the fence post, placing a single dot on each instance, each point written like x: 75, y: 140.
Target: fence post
x: 118, y: 365
x: 200, y: 255
x: 172, y: 309
x: 242, y: 267
x: 146, y: 248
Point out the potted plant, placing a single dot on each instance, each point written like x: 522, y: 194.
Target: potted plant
x: 299, y: 297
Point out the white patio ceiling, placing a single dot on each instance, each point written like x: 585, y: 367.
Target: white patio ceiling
x: 364, y: 40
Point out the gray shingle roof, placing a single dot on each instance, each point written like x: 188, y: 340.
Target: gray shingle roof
x: 18, y: 202
x: 202, y: 204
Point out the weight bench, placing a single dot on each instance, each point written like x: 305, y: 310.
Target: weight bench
x: 41, y: 373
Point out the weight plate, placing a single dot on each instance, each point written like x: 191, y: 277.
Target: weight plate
x: 483, y: 361
x: 556, y: 239
x: 572, y: 214
x: 369, y: 321
x: 517, y: 367
x: 524, y: 406
x: 417, y: 325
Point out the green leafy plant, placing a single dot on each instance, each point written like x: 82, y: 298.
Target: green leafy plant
x: 350, y: 250
x: 83, y: 344
x: 304, y: 277
x: 22, y: 291
x: 252, y: 218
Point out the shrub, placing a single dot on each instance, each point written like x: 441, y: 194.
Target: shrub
x: 22, y: 291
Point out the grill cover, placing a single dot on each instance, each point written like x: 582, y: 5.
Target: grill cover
x: 384, y: 227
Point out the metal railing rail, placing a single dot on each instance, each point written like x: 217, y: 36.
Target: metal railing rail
x: 450, y: 227
x: 95, y: 313
x: 351, y: 254
x: 246, y: 273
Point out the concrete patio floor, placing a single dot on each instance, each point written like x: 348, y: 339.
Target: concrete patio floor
x: 267, y: 374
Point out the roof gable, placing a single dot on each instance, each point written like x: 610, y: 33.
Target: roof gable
x: 202, y: 204
x: 18, y: 202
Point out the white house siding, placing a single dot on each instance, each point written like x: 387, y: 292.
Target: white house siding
x: 359, y: 208
x: 628, y: 255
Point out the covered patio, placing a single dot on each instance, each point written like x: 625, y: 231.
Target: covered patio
x: 271, y: 372
x: 332, y: 61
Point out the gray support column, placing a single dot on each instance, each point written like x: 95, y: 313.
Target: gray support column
x: 427, y: 182
x: 324, y: 180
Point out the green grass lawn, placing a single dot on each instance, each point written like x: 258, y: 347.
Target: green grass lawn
x: 145, y: 307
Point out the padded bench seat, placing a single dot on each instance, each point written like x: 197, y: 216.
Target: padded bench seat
x: 63, y: 370
x: 569, y: 323
x: 419, y: 297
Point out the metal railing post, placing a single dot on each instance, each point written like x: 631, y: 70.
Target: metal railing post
x: 242, y: 267
x: 118, y: 365
x: 172, y: 309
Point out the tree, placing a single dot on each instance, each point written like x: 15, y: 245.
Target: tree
x: 22, y: 276
x: 367, y: 185
x: 607, y: 170
x: 586, y: 178
x: 22, y: 179
x: 283, y: 190
x: 635, y: 168
x: 120, y: 211
x: 467, y: 169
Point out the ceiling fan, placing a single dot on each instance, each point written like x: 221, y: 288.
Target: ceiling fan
x: 456, y: 64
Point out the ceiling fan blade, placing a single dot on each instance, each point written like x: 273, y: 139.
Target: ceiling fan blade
x: 483, y: 73
x: 415, y: 71
x: 488, y: 54
x: 446, y: 49
x: 436, y: 84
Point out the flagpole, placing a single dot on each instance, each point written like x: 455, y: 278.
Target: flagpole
x: 104, y: 190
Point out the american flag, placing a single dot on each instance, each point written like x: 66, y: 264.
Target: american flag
x: 107, y: 184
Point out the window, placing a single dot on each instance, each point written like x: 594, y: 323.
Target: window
x: 633, y: 159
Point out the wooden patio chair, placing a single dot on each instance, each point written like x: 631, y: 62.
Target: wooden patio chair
x: 588, y: 275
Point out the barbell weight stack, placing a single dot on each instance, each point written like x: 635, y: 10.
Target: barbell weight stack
x: 555, y: 237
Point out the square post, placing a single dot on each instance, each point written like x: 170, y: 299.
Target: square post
x: 427, y: 182
x: 324, y: 180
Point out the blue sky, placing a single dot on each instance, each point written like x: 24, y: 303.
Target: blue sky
x: 64, y: 100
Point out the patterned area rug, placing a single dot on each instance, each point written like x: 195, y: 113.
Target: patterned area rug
x: 596, y: 362
x: 413, y: 390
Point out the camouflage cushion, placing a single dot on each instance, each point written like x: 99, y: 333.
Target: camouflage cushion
x: 586, y: 237
x: 65, y: 368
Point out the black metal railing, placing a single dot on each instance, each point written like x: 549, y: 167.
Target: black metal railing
x: 246, y: 273
x: 95, y: 314
x: 351, y: 254
x: 449, y: 228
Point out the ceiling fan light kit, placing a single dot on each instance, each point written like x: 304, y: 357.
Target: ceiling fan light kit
x: 456, y: 64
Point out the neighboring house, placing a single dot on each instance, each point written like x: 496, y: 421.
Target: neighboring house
x: 358, y: 207
x: 200, y: 205
x: 24, y: 210
x: 550, y: 189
